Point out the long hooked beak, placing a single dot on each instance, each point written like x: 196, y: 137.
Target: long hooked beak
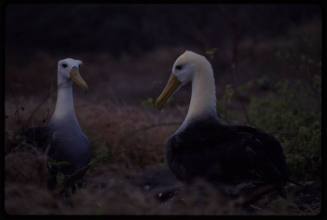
x: 77, y: 78
x: 171, y: 86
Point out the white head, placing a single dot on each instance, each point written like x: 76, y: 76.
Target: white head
x: 68, y: 72
x: 187, y: 67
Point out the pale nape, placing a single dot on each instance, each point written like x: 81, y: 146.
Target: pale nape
x: 64, y: 104
x: 203, y: 98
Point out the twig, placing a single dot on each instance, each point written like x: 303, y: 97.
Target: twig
x: 256, y: 207
x: 37, y: 108
x: 16, y: 101
x: 147, y: 128
x: 257, y: 195
x: 236, y: 41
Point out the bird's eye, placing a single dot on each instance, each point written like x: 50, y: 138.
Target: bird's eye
x: 179, y: 67
x: 64, y: 65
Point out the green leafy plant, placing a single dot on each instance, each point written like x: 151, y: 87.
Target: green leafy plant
x: 292, y: 114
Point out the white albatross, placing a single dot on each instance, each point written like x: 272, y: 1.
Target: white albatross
x: 69, y: 148
x: 203, y: 147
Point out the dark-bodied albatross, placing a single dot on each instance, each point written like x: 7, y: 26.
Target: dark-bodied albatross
x: 203, y: 147
x: 68, y: 145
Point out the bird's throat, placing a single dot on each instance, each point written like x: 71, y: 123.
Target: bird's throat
x: 203, y: 98
x: 64, y: 105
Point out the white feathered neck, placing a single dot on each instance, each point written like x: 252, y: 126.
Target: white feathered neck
x: 64, y: 109
x: 203, y: 98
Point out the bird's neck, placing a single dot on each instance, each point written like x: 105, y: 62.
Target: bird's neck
x: 203, y: 99
x: 65, y: 104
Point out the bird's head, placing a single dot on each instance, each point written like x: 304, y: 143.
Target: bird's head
x: 186, y: 67
x: 68, y: 72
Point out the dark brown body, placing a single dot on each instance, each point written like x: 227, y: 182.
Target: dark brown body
x: 226, y: 154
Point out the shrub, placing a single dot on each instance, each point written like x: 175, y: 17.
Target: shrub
x: 292, y: 114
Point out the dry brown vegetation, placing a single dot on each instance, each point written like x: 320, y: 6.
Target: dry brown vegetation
x: 122, y: 149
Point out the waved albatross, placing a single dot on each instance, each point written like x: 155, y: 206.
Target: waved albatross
x: 69, y: 148
x: 203, y: 147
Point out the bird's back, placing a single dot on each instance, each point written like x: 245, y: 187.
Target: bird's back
x: 216, y: 152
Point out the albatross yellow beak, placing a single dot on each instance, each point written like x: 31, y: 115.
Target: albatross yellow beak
x: 76, y: 77
x: 172, y: 84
